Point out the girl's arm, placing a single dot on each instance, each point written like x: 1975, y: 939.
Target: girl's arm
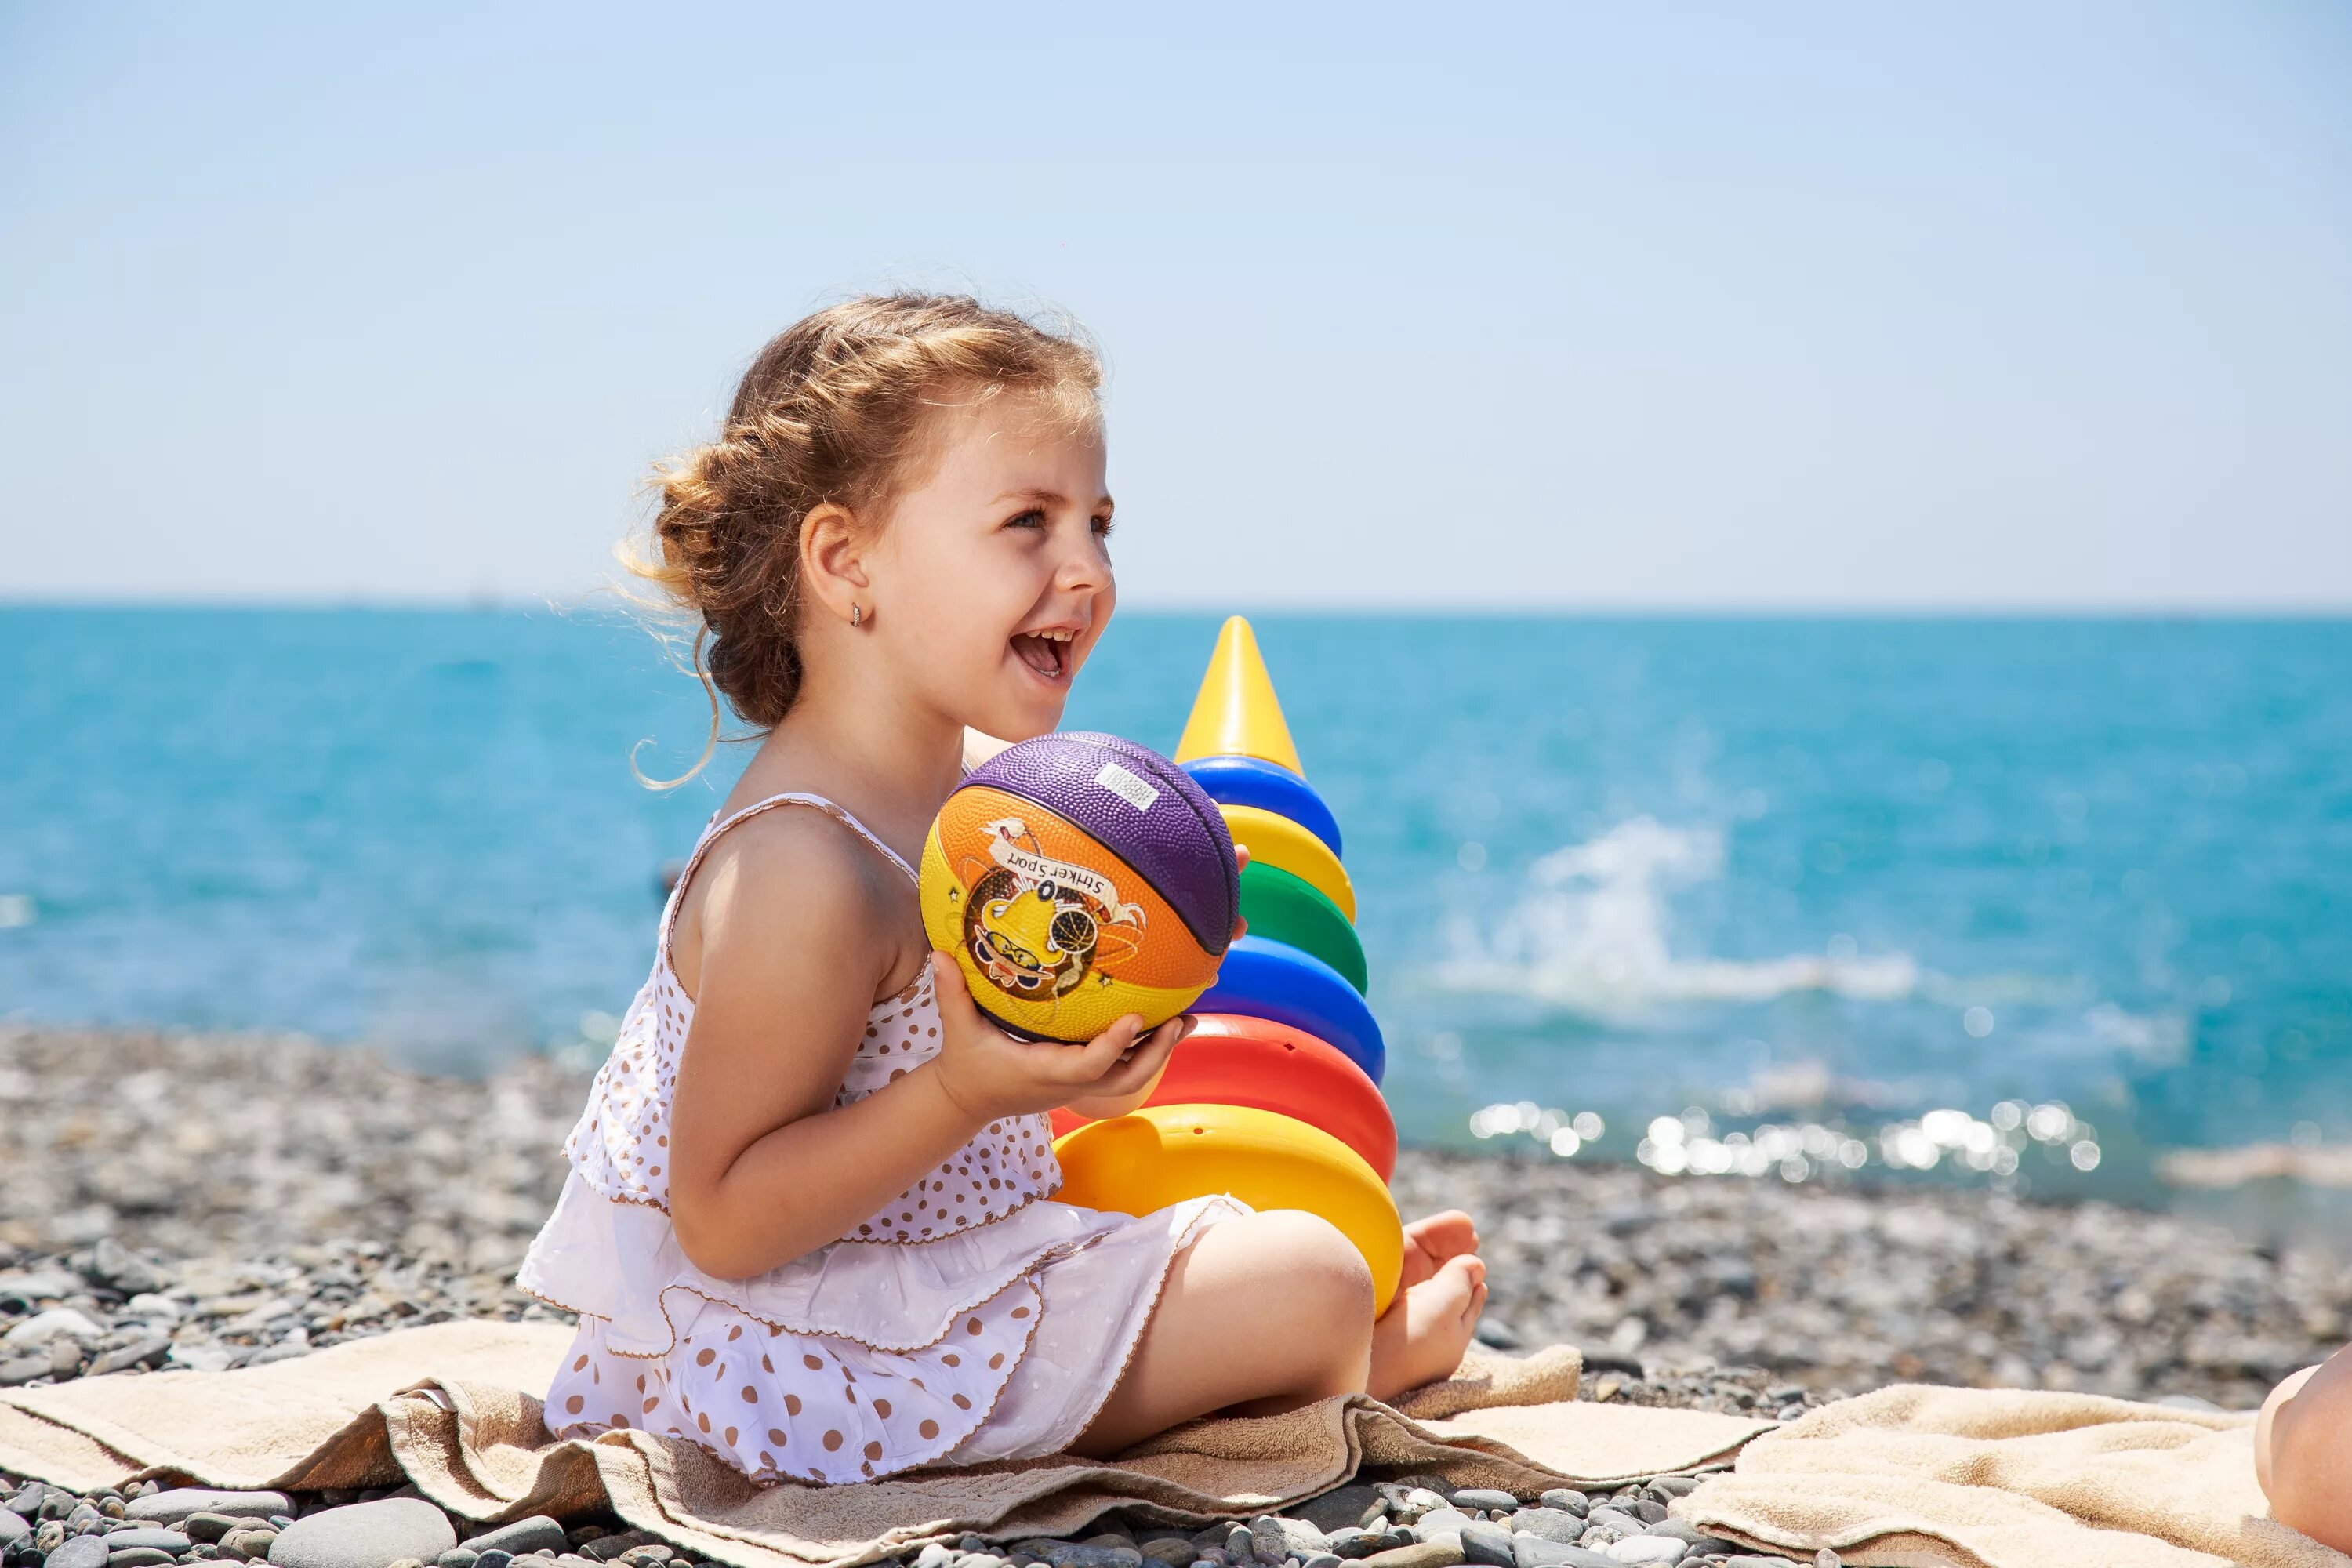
x: 798, y: 932
x: 795, y: 941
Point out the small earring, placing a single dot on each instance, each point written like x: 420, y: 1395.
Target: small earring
x: 855, y: 615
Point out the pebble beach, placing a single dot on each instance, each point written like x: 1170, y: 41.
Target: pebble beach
x: 211, y: 1201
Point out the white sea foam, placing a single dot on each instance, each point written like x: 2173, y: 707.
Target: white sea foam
x: 1590, y: 934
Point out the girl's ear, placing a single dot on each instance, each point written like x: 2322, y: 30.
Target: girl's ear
x: 832, y: 562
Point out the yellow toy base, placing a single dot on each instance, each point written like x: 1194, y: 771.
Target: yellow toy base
x: 1163, y: 1154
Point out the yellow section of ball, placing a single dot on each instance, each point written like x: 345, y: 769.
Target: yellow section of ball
x: 1163, y: 1154
x: 1098, y: 999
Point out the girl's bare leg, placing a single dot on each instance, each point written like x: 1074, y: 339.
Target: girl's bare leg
x: 1259, y: 1314
x: 2300, y: 1440
x: 1273, y: 1310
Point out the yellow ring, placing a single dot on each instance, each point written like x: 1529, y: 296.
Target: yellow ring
x: 1163, y: 1154
x: 1281, y: 842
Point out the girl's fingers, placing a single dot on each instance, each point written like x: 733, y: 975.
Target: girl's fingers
x: 948, y: 987
x: 1143, y: 1064
x: 1240, y: 856
x: 1101, y: 1054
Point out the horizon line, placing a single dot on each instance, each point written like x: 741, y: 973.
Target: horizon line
x: 1602, y: 609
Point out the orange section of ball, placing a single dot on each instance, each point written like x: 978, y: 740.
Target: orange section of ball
x: 1151, y: 948
x: 1232, y: 1060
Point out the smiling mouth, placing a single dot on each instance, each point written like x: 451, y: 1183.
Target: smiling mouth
x: 1046, y: 653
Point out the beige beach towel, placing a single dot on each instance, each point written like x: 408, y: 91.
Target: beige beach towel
x: 449, y: 1408
x: 2005, y: 1479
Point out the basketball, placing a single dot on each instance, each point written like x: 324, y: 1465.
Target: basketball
x: 1077, y: 877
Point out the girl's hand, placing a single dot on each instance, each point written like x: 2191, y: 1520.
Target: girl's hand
x: 1241, y: 859
x: 989, y: 1073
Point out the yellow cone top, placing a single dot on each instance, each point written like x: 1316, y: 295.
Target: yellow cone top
x: 1236, y: 714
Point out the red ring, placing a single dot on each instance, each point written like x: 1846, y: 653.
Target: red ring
x: 1228, y: 1059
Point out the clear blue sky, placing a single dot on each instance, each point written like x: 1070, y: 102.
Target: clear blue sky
x: 1781, y: 305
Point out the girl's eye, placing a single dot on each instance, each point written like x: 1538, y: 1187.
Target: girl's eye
x: 1102, y: 527
x: 1034, y: 518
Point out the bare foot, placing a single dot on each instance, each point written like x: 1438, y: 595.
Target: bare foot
x: 1430, y: 1241
x: 1422, y: 1336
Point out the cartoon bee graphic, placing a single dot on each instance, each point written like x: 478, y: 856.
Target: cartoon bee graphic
x: 1038, y: 937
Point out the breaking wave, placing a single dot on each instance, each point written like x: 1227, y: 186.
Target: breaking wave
x: 1590, y: 934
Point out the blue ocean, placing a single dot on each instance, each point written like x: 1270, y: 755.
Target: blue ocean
x: 2057, y: 904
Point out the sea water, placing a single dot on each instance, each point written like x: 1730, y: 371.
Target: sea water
x: 2038, y: 901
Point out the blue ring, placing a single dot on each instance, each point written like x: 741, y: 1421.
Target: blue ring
x: 1245, y: 781
x: 1261, y: 978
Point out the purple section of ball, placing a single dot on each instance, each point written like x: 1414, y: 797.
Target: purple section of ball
x: 1177, y: 842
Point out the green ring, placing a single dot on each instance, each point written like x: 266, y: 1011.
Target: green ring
x: 1289, y: 909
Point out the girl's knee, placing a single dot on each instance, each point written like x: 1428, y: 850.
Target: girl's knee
x: 2299, y: 1438
x: 1322, y: 1270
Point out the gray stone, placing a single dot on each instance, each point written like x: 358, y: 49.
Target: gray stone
x: 1173, y: 1553
x: 1275, y: 1538
x: 1483, y: 1497
x: 1443, y: 1553
x: 252, y: 1543
x: 1568, y: 1499
x: 180, y: 1502
x: 1320, y: 1559
x: 1552, y: 1523
x: 1680, y: 1532
x: 456, y: 1557
x: 1342, y: 1507
x: 934, y: 1554
x: 602, y: 1547
x: 364, y: 1535
x: 172, y: 1540
x: 1648, y: 1550
x: 495, y: 1557
x: 13, y: 1527
x: 1079, y: 1554
x: 1616, y: 1519
x: 79, y: 1551
x: 1534, y: 1552
x: 1675, y: 1486
x: 655, y: 1552
x: 138, y: 1557
x: 1488, y: 1545
x: 1350, y: 1543
x: 519, y: 1538
x: 1649, y: 1510
x: 1439, y: 1522
x: 149, y: 1351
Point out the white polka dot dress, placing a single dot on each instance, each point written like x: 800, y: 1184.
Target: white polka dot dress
x: 970, y: 1319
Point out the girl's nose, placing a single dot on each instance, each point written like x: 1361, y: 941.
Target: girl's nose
x: 1085, y: 567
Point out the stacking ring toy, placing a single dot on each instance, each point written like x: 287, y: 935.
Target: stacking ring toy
x: 1229, y: 1060
x: 1164, y: 1154
x: 1280, y: 842
x: 1245, y: 781
x: 1274, y: 980
x: 1281, y: 908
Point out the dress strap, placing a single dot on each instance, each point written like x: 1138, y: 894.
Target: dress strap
x: 711, y: 836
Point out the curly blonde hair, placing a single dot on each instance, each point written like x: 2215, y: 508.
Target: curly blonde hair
x: 838, y: 407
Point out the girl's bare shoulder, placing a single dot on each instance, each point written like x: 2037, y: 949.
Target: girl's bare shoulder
x: 792, y: 880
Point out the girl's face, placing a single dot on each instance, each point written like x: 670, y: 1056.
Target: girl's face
x: 992, y: 577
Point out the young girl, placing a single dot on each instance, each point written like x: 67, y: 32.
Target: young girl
x: 809, y: 1224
